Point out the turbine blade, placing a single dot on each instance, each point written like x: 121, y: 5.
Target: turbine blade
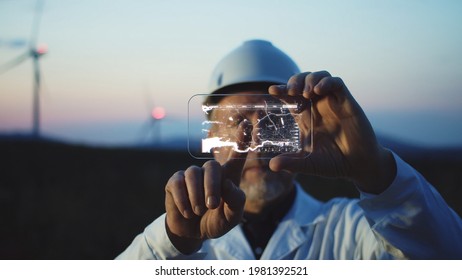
x: 13, y: 63
x: 36, y: 24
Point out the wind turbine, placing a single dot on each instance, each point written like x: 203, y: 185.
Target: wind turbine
x: 156, y: 115
x: 34, y: 52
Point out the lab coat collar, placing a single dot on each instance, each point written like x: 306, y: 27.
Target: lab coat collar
x: 289, y: 235
x: 305, y: 209
x: 291, y: 232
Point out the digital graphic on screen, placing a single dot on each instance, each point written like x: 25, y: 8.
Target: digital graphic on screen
x: 274, y: 127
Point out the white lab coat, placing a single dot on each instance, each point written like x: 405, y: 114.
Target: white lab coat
x: 408, y: 220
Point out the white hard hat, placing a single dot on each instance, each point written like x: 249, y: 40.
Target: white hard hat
x: 255, y: 61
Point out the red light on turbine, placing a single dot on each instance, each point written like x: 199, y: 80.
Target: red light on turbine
x: 158, y: 113
x: 42, y: 49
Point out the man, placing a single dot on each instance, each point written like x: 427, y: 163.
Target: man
x: 243, y: 206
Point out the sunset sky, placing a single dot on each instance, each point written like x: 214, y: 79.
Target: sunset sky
x: 110, y: 61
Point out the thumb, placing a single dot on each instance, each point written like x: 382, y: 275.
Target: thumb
x: 292, y: 162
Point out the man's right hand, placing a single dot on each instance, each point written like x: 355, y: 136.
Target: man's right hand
x: 345, y: 144
x: 205, y: 202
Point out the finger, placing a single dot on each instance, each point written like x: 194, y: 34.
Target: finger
x: 311, y: 81
x: 176, y: 188
x: 234, y: 199
x: 212, y: 183
x: 328, y: 85
x: 296, y: 84
x: 280, y: 92
x: 277, y: 90
x: 233, y: 166
x: 292, y: 163
x: 297, y: 104
x: 195, y: 186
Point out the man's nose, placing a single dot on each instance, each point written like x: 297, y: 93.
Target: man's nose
x: 257, y: 126
x: 256, y: 134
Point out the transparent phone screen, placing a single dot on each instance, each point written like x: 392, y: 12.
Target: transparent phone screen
x: 213, y: 125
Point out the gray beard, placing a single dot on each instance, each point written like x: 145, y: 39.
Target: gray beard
x: 265, y: 188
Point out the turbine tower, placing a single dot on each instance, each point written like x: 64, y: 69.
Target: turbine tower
x: 34, y: 52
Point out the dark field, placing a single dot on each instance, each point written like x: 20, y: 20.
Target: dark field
x: 60, y: 201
